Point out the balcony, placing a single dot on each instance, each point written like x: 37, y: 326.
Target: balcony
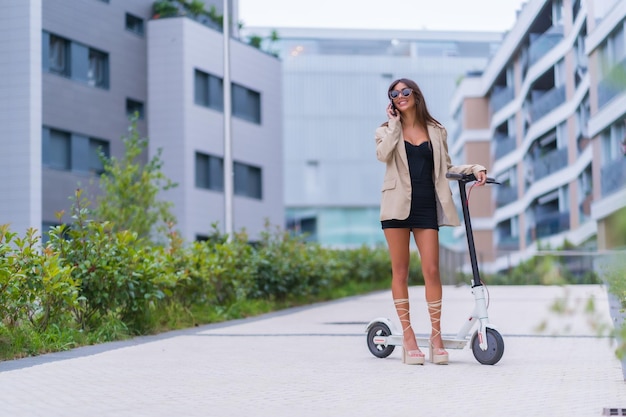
x: 500, y: 97
x: 542, y: 44
x: 547, y: 102
x: 548, y: 224
x: 505, y: 194
x: 613, y: 176
x: 551, y: 223
x: 549, y: 163
x: 613, y: 84
x: 503, y: 145
x: 508, y: 243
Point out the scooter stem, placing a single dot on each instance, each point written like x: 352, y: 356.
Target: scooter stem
x: 480, y: 312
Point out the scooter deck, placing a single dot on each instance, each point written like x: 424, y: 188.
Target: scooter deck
x: 396, y: 340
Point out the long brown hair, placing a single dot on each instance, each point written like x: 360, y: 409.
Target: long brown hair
x: 421, y: 110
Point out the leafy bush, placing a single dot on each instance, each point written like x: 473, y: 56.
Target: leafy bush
x: 116, y: 272
x: 35, y: 286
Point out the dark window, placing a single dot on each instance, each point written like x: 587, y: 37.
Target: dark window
x: 58, y: 153
x: 246, y: 104
x: 59, y: 55
x: 209, y: 172
x: 74, y: 60
x: 134, y: 106
x: 98, y: 73
x: 247, y: 181
x: 208, y: 90
x: 97, y: 147
x: 134, y: 24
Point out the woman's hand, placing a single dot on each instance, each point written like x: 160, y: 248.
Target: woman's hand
x: 390, y: 114
x: 481, y: 178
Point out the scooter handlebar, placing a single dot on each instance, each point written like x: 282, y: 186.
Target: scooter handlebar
x: 467, y: 178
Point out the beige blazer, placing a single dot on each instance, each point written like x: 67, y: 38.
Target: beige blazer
x: 396, y: 190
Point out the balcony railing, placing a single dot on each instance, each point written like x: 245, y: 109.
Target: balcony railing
x: 501, y: 97
x: 505, y: 194
x: 547, y: 225
x: 508, y: 243
x: 612, y: 84
x: 552, y: 223
x: 544, y: 43
x: 547, y: 102
x: 503, y: 145
x: 549, y: 163
x: 613, y: 176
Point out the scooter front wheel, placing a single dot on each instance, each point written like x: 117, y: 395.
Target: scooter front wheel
x: 495, y: 347
x: 378, y: 349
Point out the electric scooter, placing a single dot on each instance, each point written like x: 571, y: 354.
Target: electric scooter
x: 486, y: 342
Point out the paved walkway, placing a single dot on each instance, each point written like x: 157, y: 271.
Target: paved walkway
x: 314, y: 361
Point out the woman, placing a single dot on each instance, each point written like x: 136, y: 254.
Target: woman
x: 416, y: 197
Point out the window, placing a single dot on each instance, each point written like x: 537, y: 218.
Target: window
x: 74, y: 60
x: 246, y: 104
x: 97, y: 75
x: 247, y: 181
x: 613, y: 50
x: 134, y: 24
x: 134, y: 106
x: 73, y: 152
x: 57, y: 154
x: 612, y: 140
x: 59, y: 55
x: 209, y: 172
x: 97, y: 148
x: 208, y: 90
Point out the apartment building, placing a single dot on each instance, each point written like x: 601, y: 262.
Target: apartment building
x: 72, y: 71
x: 549, y: 109
x: 334, y: 87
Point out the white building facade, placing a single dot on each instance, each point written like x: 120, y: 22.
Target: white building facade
x: 549, y: 110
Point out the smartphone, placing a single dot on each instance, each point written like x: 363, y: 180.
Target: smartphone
x: 394, y: 111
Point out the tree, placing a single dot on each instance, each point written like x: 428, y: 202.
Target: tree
x: 130, y: 189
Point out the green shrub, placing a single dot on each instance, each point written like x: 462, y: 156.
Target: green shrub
x: 117, y: 273
x: 217, y: 273
x: 34, y: 286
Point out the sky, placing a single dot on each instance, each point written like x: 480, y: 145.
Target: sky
x: 462, y: 15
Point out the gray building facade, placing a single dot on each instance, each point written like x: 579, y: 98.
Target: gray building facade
x: 74, y: 70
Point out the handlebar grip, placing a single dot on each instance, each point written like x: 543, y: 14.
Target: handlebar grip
x: 468, y: 178
x: 454, y: 176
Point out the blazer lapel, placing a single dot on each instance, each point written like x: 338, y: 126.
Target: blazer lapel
x: 402, y: 151
x: 435, y: 140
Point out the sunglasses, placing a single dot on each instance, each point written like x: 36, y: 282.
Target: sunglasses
x: 394, y: 94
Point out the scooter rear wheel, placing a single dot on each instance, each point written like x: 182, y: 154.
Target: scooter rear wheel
x: 377, y: 349
x: 495, y: 347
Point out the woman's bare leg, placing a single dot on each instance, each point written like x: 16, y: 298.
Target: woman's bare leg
x: 398, y: 241
x: 427, y: 241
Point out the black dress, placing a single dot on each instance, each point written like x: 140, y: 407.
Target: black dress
x: 423, y: 213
